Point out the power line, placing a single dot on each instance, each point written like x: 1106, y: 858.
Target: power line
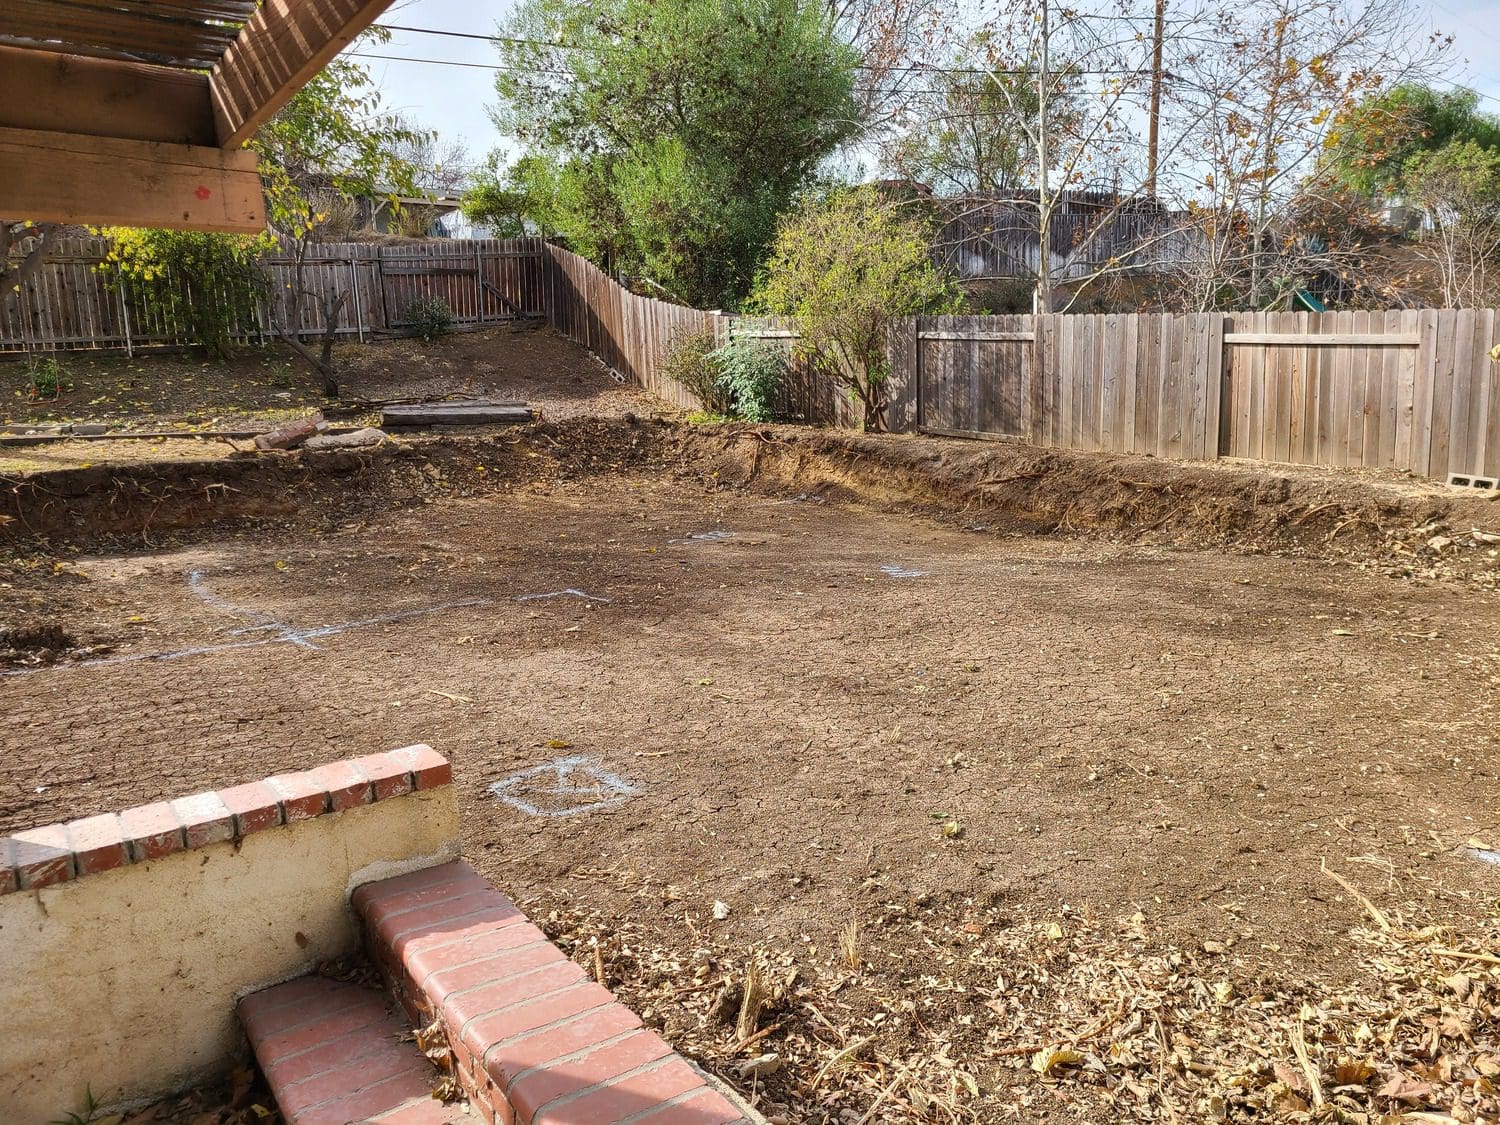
x: 915, y: 68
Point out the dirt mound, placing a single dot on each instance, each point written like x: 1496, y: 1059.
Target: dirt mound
x: 1403, y: 527
x: 1406, y: 528
x: 34, y: 642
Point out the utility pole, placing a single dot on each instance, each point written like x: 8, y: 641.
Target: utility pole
x: 1152, y: 139
x: 1043, y: 299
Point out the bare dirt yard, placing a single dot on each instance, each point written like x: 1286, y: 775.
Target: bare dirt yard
x: 1012, y: 785
x: 261, y: 388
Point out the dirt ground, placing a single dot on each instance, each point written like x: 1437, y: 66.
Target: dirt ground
x: 261, y: 386
x: 965, y: 792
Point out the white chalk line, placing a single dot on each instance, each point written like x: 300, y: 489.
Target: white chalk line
x: 615, y: 790
x: 264, y: 620
x: 294, y: 637
x: 568, y: 593
x: 895, y: 571
x: 703, y: 537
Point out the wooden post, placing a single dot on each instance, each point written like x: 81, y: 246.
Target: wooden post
x: 359, y: 312
x: 125, y: 314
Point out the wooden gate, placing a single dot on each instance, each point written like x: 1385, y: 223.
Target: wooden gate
x: 1320, y: 388
x: 974, y: 376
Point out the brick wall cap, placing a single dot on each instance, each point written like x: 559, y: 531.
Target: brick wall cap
x: 60, y: 853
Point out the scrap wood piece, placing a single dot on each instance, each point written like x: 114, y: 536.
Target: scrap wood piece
x: 291, y: 435
x: 356, y: 439
x: 472, y: 413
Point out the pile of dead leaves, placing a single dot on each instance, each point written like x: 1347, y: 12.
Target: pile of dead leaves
x: 1075, y: 1018
x: 241, y: 1100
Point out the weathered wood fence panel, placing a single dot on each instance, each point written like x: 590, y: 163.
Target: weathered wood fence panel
x: 1412, y: 390
x: 630, y: 333
x: 78, y: 300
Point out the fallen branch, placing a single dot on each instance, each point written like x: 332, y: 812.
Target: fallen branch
x: 1370, y: 908
x: 1461, y: 955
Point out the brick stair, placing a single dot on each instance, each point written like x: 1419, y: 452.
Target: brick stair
x: 535, y: 1041
x: 333, y: 1053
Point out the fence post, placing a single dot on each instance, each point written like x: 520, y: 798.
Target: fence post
x: 478, y: 285
x: 124, y: 312
x: 1217, y: 408
x: 359, y: 315
x: 903, y: 350
x: 1040, y: 324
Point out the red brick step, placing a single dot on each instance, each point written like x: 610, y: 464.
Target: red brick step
x: 536, y: 1041
x: 334, y: 1053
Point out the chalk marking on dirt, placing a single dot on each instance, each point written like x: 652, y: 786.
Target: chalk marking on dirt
x: 896, y: 571
x: 263, y: 620
x: 297, y: 637
x: 1486, y: 855
x: 577, y: 778
x: 568, y: 593
x: 703, y: 537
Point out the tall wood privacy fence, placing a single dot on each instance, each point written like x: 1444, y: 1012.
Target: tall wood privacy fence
x: 79, y: 300
x: 1412, y: 390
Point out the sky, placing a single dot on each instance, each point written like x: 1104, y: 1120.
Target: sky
x: 452, y: 99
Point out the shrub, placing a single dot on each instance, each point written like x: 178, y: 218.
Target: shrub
x: 846, y: 268
x: 688, y: 361
x: 429, y: 318
x: 46, y: 377
x: 206, y: 286
x: 749, y: 374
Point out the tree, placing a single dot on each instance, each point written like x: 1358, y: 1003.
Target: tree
x: 38, y: 238
x: 209, y: 284
x: 847, y: 267
x: 1379, y: 137
x: 1458, y: 187
x: 498, y: 198
x: 330, y: 142
x: 669, y: 134
x: 972, y: 134
x: 441, y: 169
x: 1260, y: 104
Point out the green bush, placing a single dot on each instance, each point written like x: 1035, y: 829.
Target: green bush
x: 428, y: 318
x: 689, y: 362
x: 749, y: 374
x: 46, y: 377
x: 847, y: 267
x: 205, y: 286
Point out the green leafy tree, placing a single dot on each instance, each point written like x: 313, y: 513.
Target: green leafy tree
x: 1459, y: 189
x: 668, y: 135
x: 847, y: 267
x: 1380, y: 137
x: 973, y: 131
x: 513, y: 201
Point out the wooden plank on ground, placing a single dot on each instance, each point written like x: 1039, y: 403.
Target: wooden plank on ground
x: 473, y: 413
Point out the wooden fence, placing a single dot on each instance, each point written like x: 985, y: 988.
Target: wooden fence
x: 78, y: 300
x: 1414, y: 390
x: 629, y: 332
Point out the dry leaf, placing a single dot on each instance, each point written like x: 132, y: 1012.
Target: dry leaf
x: 1050, y: 1059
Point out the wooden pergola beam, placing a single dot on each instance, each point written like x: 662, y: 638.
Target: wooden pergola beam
x: 68, y: 178
x: 279, y: 49
x: 104, y: 98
